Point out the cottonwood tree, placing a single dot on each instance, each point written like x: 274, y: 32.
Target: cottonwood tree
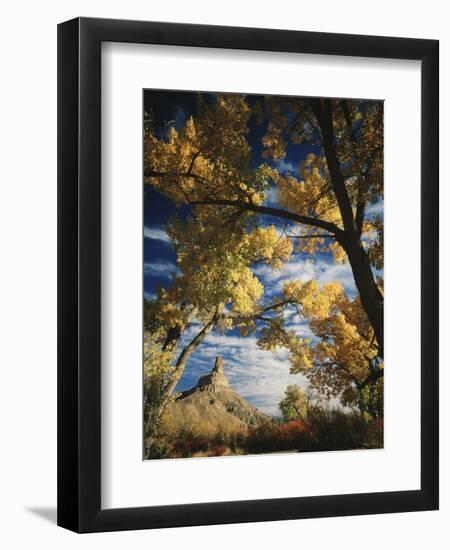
x: 214, y: 289
x: 209, y: 166
x: 294, y: 404
x: 341, y: 359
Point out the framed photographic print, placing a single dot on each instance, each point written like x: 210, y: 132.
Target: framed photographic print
x: 248, y: 275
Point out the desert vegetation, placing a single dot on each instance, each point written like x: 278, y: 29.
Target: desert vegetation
x: 313, y: 429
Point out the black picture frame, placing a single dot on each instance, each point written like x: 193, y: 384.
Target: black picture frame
x: 79, y: 274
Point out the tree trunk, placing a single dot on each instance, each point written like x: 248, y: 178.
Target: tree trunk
x: 153, y: 420
x: 151, y: 428
x: 371, y: 298
x: 185, y: 354
x: 370, y: 295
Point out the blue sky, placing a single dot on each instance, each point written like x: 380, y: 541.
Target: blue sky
x: 259, y: 376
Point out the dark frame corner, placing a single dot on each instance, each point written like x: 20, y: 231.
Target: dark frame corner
x: 79, y: 321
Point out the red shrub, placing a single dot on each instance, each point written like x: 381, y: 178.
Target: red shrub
x: 218, y: 450
x: 294, y: 435
x: 288, y: 433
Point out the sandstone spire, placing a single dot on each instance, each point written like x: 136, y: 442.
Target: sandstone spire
x: 215, y: 378
x: 218, y: 365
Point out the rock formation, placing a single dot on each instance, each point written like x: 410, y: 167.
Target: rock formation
x: 216, y: 379
x: 212, y: 406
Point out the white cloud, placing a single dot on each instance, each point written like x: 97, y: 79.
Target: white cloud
x: 161, y: 268
x: 375, y: 209
x: 272, y: 195
x: 156, y: 233
x: 297, y: 324
x: 180, y: 117
x: 305, y: 269
x: 283, y: 166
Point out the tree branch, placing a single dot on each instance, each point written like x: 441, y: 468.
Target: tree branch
x: 267, y: 210
x: 315, y: 236
x: 276, y: 212
x: 187, y: 352
x: 258, y: 314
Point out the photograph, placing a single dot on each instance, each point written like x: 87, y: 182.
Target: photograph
x: 233, y: 225
x: 262, y: 274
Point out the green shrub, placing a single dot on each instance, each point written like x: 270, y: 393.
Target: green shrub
x: 337, y: 430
